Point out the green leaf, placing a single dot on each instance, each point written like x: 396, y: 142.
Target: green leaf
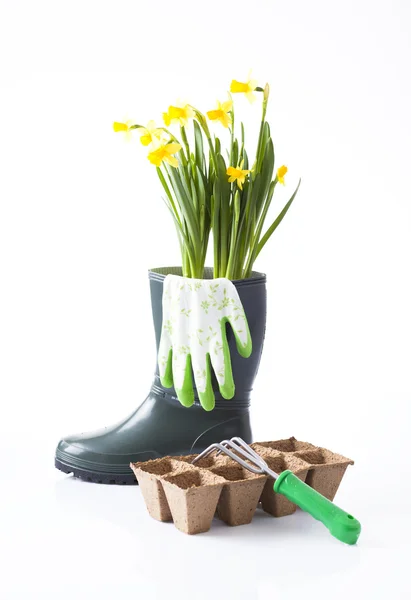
x: 194, y: 196
x: 199, y: 147
x: 223, y: 189
x: 183, y: 197
x: 183, y: 239
x: 215, y: 201
x: 256, y: 234
x: 234, y: 159
x: 262, y: 143
x: 266, y: 176
x: 245, y: 157
x: 168, y: 192
x: 276, y: 223
x: 233, y: 237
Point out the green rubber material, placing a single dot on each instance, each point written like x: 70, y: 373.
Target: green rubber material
x: 341, y: 525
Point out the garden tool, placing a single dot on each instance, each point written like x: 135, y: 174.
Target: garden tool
x: 341, y: 525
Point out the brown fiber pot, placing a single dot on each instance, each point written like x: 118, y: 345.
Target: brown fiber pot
x: 192, y: 497
x: 326, y: 471
x: 148, y: 475
x: 241, y: 494
x: 273, y: 503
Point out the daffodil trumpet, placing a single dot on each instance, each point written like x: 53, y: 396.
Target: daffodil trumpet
x: 206, y: 192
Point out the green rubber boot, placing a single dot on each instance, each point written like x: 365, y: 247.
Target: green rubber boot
x: 161, y: 425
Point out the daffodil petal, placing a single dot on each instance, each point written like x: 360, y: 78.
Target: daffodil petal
x: 227, y: 106
x: 281, y: 172
x: 225, y: 120
x: 237, y: 87
x: 146, y: 139
x: 213, y: 115
x: 175, y: 112
x: 172, y: 148
x: 120, y: 126
x: 171, y: 160
x: 154, y: 159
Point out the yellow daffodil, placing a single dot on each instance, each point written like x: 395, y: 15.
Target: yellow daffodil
x: 247, y: 88
x: 165, y: 152
x: 125, y: 128
x: 238, y: 174
x: 281, y: 173
x: 178, y: 114
x: 221, y: 113
x: 150, y: 134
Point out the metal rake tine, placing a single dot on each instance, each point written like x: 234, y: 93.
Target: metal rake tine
x: 241, y: 443
x: 207, y: 451
x: 237, y: 448
x: 254, y: 468
x: 216, y: 446
x: 259, y: 459
x: 247, y: 448
x: 257, y: 466
x: 241, y: 446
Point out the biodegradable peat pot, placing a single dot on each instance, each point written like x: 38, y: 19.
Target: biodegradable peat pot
x: 208, y: 462
x: 192, y: 496
x: 148, y: 475
x: 273, y: 503
x: 286, y: 445
x: 240, y: 495
x: 326, y: 471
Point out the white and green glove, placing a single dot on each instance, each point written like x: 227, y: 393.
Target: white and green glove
x: 193, y: 337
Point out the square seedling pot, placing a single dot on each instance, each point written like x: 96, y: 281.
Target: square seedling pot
x: 148, y: 475
x: 326, y: 470
x: 273, y: 503
x: 286, y: 445
x: 208, y: 462
x: 241, y: 494
x: 192, y: 496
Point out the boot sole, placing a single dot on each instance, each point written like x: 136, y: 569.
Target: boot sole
x: 95, y: 477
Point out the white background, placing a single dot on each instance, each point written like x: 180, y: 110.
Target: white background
x: 82, y: 221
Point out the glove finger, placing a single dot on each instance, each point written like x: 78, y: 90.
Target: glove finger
x: 165, y: 362
x: 221, y: 362
x: 202, y: 377
x: 184, y: 390
x: 239, y: 325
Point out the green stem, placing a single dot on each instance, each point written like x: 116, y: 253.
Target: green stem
x: 276, y: 223
x: 169, y: 195
x: 260, y: 136
x: 185, y: 141
x: 203, y: 124
x: 232, y: 137
x: 234, y: 228
x: 256, y: 235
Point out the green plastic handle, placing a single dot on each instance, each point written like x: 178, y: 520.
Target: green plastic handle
x: 340, y: 524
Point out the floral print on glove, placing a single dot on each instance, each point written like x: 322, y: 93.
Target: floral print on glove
x: 193, y: 337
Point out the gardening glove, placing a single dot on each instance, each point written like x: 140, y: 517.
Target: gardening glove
x: 193, y: 337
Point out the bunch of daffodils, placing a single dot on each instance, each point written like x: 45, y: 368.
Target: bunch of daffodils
x: 207, y: 189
